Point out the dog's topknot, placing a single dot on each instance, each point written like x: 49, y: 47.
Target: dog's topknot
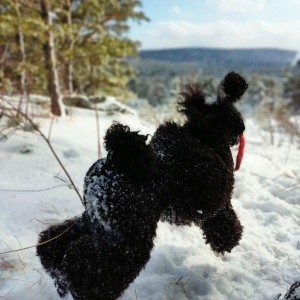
x: 193, y: 101
x: 234, y: 86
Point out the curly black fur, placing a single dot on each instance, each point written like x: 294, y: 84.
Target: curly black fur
x: 234, y: 86
x: 101, y: 252
x: 293, y: 293
x: 184, y: 176
x: 192, y: 176
x: 130, y: 154
x: 223, y: 230
x: 196, y: 165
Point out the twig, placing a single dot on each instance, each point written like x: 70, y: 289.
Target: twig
x: 286, y: 189
x: 35, y: 127
x: 98, y: 130
x: 50, y: 128
x: 39, y: 281
x: 271, y: 181
x: 40, y: 244
x: 297, y: 222
x: 178, y: 280
x: 5, y: 52
x: 5, y: 244
x: 44, y: 223
x: 10, y: 291
x: 4, y: 263
x: 61, y: 179
x: 260, y: 273
x: 39, y: 290
x: 21, y: 260
x: 34, y: 191
x: 287, y: 155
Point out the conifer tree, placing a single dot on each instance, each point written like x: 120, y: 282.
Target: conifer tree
x: 50, y: 59
x: 13, y: 54
x: 96, y: 44
x: 57, y: 47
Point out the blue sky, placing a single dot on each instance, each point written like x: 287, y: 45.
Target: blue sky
x: 219, y: 23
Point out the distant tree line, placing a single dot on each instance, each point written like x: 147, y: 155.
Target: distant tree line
x: 292, y: 86
x: 73, y: 46
x: 62, y: 47
x: 161, y: 82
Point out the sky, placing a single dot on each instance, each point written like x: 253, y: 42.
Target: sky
x: 219, y: 24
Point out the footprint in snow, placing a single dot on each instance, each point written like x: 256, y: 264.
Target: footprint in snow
x: 71, y: 153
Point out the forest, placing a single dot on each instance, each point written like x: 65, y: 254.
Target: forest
x: 56, y: 48
x: 81, y: 49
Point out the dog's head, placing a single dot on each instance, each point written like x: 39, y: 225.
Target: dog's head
x: 218, y: 123
x: 130, y: 153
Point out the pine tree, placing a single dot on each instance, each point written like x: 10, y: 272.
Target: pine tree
x: 57, y: 47
x: 51, y: 64
x: 96, y: 44
x: 13, y: 56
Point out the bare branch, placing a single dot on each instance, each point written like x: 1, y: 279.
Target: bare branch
x: 35, y: 127
x: 40, y: 244
x: 4, y: 54
x: 34, y: 191
x: 109, y: 18
x: 98, y: 130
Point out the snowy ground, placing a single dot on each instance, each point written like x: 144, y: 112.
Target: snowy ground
x: 34, y: 194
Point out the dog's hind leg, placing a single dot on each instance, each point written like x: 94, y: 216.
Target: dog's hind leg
x: 51, y: 249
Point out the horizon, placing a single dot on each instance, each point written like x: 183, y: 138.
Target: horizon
x: 226, y: 24
x: 220, y: 48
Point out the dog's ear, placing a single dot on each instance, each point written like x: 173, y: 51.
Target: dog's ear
x: 193, y: 101
x: 234, y: 86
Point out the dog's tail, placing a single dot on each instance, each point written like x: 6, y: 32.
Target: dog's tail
x: 129, y: 152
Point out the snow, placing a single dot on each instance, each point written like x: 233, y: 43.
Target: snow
x: 35, y: 193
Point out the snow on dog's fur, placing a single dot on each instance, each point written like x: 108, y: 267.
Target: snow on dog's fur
x: 105, y: 249
x: 184, y: 175
x: 195, y: 165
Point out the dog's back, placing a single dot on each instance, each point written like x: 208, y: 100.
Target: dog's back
x: 106, y: 248
x: 195, y: 165
x: 193, y: 176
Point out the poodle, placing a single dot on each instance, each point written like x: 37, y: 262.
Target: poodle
x: 97, y: 255
x: 293, y: 293
x: 183, y: 176
x: 195, y: 164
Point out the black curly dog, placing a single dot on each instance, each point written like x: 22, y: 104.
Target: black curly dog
x: 184, y: 176
x: 195, y: 165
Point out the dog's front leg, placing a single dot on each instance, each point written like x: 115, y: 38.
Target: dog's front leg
x: 223, y: 231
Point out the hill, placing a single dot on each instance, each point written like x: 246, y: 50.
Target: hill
x: 247, y: 60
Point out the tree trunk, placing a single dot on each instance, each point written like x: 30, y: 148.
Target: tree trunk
x: 68, y: 5
x: 23, y: 57
x: 57, y: 106
x: 20, y: 41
